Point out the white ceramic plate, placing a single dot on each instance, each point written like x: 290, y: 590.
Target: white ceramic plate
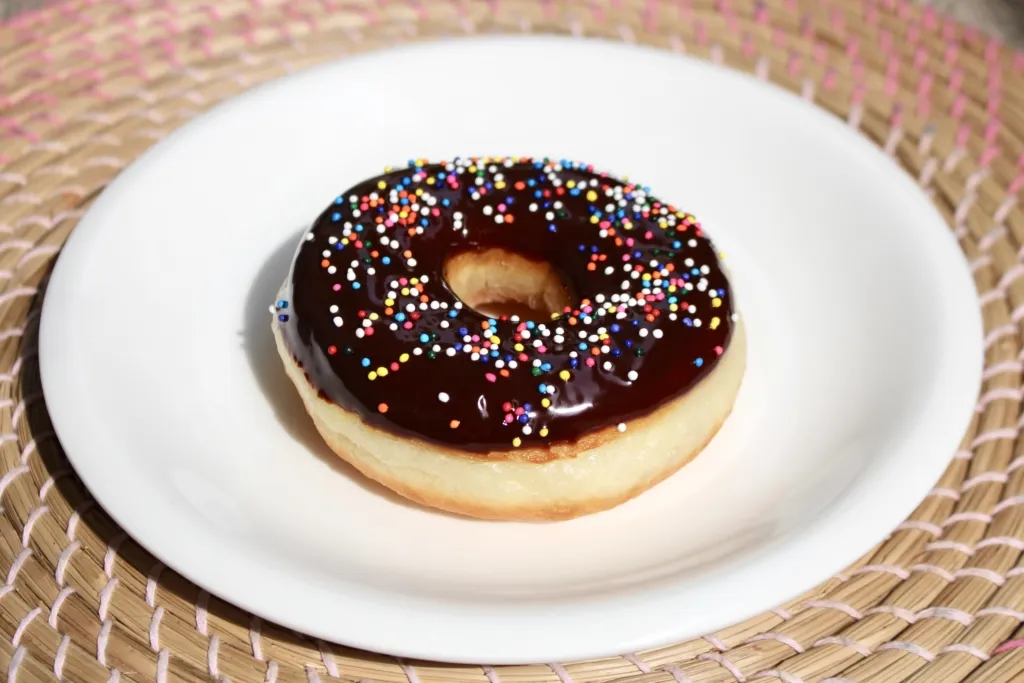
x: 865, y: 355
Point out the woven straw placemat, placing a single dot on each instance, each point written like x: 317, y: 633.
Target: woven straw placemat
x: 85, y: 87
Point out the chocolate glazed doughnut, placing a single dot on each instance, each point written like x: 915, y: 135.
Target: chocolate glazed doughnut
x: 617, y: 333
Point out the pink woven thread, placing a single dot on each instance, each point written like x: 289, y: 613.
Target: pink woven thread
x: 491, y: 674
x: 560, y: 671
x: 911, y: 648
x: 60, y: 656
x: 724, y: 663
x: 1008, y: 646
x: 637, y: 662
x: 327, y: 657
x: 676, y: 672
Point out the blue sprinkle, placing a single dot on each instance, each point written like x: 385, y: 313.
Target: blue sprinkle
x: 524, y: 418
x: 338, y: 246
x: 509, y: 358
x: 283, y: 318
x: 424, y: 337
x: 359, y: 228
x: 530, y: 324
x: 453, y: 313
x: 699, y: 362
x: 636, y: 323
x: 339, y: 200
x: 543, y: 388
x: 582, y: 346
x: 386, y: 260
x: 404, y: 201
x: 629, y: 343
x: 582, y: 248
x: 616, y: 353
x: 282, y: 304
x: 510, y: 200
x: 356, y: 285
x: 687, y: 322
x: 406, y: 181
x: 446, y: 202
x: 593, y: 249
x: 423, y: 222
x: 458, y: 346
x: 365, y: 362
x: 546, y: 367
x: 574, y: 363
x: 615, y: 327
x: 399, y: 317
x: 552, y: 228
x: 677, y: 244
x: 463, y: 330
x: 527, y: 407
x: 495, y: 353
x: 335, y: 216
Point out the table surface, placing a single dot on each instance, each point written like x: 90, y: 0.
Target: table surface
x: 1002, y: 18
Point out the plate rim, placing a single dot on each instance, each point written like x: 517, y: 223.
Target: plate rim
x: 961, y: 299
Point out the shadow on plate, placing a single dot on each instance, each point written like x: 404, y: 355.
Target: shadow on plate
x: 261, y: 352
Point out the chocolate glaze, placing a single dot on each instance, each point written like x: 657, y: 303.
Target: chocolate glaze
x: 562, y: 213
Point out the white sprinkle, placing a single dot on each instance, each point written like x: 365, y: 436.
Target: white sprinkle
x: 658, y: 334
x: 442, y: 397
x: 334, y: 308
x: 338, y: 322
x: 622, y: 426
x: 632, y: 375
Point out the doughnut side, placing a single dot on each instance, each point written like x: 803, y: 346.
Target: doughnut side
x: 591, y: 475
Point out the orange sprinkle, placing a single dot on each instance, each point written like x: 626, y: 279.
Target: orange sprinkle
x: 383, y: 407
x: 520, y: 185
x: 389, y: 311
x: 325, y: 263
x: 454, y: 424
x: 503, y: 372
x: 591, y: 266
x: 594, y: 351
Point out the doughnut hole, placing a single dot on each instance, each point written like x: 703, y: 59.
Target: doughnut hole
x: 496, y: 283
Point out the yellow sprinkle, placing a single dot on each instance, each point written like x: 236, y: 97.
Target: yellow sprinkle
x: 344, y: 240
x: 419, y: 190
x: 403, y: 358
x: 545, y: 402
x: 673, y: 307
x: 715, y: 322
x: 387, y: 169
x: 591, y: 196
x: 472, y: 169
x: 716, y: 302
x: 543, y: 431
x: 518, y: 347
x: 389, y: 302
x: 415, y: 281
x: 671, y: 288
x: 571, y: 184
x: 382, y: 372
x: 663, y: 224
x: 430, y: 181
x: 645, y: 276
x: 500, y: 185
x: 382, y: 184
x: 517, y: 442
x: 495, y: 340
x: 405, y: 291
x: 374, y: 316
x: 564, y: 374
x: 594, y: 219
x: 372, y: 376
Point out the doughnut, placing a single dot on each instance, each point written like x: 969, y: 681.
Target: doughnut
x: 510, y: 338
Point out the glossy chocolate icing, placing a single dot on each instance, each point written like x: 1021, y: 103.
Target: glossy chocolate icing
x: 652, y: 316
